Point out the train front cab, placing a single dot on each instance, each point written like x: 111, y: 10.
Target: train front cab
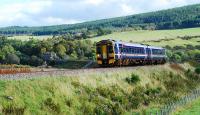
x: 105, y: 53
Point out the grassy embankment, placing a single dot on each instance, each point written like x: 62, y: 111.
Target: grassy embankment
x: 99, y: 92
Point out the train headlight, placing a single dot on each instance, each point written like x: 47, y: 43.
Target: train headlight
x: 98, y: 55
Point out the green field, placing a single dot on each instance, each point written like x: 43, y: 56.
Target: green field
x: 174, y: 42
x: 27, y: 37
x: 150, y: 37
x: 156, y: 37
x: 190, y: 109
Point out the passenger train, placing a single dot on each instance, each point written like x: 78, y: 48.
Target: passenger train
x: 118, y: 53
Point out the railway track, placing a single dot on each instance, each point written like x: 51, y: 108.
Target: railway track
x: 61, y: 72
x: 39, y: 73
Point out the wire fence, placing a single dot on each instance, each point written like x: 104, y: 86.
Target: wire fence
x: 171, y: 107
x: 166, y: 110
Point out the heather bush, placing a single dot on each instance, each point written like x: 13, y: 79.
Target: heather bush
x: 197, y: 70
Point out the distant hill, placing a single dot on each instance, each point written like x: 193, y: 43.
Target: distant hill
x: 181, y: 17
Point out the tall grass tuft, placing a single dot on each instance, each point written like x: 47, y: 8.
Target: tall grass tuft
x: 134, y: 79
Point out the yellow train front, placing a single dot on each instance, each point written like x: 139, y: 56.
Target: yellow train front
x: 113, y: 53
x: 105, y: 53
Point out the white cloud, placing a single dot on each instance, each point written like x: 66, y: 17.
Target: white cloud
x: 94, y: 2
x: 18, y: 12
x: 165, y: 4
x: 36, y: 7
x: 52, y: 12
x: 127, y: 9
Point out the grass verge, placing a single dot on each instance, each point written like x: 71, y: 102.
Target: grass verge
x: 102, y: 92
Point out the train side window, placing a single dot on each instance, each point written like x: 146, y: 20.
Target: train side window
x: 124, y: 50
x: 98, y: 50
x: 116, y: 49
x: 138, y: 50
x: 120, y: 49
x: 135, y: 50
x: 130, y: 50
x: 163, y: 52
x: 110, y: 49
x: 160, y: 52
x: 142, y: 50
x: 154, y: 51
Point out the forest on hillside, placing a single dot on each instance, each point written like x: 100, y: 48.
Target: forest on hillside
x: 182, y: 17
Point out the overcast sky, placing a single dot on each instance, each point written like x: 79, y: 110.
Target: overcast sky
x: 53, y: 12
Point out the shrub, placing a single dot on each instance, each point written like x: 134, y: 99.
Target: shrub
x: 135, y: 102
x: 12, y: 110
x: 118, y: 109
x: 103, y: 107
x: 134, y: 79
x: 197, y: 70
x: 136, y: 97
x: 104, y: 91
x: 189, y: 73
x: 88, y: 108
x: 35, y: 61
x: 69, y: 102
x: 50, y: 104
x: 153, y: 91
x: 12, y: 59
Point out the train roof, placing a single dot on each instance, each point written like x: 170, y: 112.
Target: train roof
x: 153, y: 47
x: 131, y: 44
x: 138, y: 45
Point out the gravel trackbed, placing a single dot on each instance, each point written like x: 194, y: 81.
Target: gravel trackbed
x: 60, y: 72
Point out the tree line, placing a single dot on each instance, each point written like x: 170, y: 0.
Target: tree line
x: 37, y: 52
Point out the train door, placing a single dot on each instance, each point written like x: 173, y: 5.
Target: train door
x: 104, y: 52
x: 108, y: 54
x: 148, y: 50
